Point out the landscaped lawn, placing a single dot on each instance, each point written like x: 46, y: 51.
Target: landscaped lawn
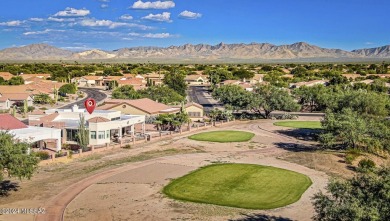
x: 223, y: 136
x: 240, y: 185
x: 300, y: 124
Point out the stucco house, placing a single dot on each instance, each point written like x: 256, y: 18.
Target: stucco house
x: 194, y: 110
x: 15, y: 98
x: 5, y: 103
x: 144, y: 106
x: 103, y: 125
x: 196, y: 79
x: 30, y: 134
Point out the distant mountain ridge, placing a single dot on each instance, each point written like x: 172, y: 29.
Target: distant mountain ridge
x: 219, y: 52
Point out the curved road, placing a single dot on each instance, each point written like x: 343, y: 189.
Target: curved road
x: 91, y: 93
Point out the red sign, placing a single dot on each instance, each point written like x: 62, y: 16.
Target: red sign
x: 90, y: 105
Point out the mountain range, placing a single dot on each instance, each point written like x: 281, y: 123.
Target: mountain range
x: 199, y: 52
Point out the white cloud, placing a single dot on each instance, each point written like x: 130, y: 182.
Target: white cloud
x: 72, y: 12
x: 46, y: 31
x: 153, y: 5
x: 110, y: 24
x: 103, y: 6
x: 134, y: 34
x: 164, y: 17
x: 149, y: 35
x: 158, y: 35
x: 126, y: 17
x: 369, y: 43
x: 36, y: 19
x: 104, y: 0
x: 11, y: 23
x: 189, y: 15
x: 61, y: 19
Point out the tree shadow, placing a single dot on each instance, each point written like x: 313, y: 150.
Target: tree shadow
x: 301, y: 134
x: 260, y: 217
x: 296, y: 147
x: 7, y: 186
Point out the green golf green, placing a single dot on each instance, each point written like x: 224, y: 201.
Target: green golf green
x: 223, y: 136
x: 300, y: 124
x: 240, y: 185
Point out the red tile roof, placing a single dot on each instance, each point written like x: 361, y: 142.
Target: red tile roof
x: 6, y: 75
x: 145, y: 104
x: 16, y: 96
x: 8, y: 122
x: 98, y: 120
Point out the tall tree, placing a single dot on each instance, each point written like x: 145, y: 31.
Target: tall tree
x: 267, y: 98
x: 175, y: 80
x: 125, y: 92
x: 161, y: 94
x: 16, y: 80
x: 14, y: 158
x: 243, y: 74
x: 364, y: 197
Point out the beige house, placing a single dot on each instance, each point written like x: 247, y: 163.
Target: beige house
x: 144, y: 106
x: 17, y: 98
x: 194, y: 110
x: 231, y: 82
x: 258, y: 78
x: 309, y: 83
x: 88, y: 81
x: 196, y: 79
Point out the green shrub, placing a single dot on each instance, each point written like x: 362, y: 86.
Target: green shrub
x: 351, y: 155
x: 366, y: 165
x: 42, y: 155
x: 68, y: 89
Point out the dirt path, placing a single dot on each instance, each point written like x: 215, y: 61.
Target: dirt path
x: 261, y: 147
x: 135, y: 192
x: 55, y: 207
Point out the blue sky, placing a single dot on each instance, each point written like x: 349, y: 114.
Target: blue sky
x: 113, y: 24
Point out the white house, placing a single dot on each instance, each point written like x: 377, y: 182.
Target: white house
x: 29, y: 134
x: 103, y: 125
x: 5, y: 103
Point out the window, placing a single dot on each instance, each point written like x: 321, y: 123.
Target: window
x: 108, y: 134
x: 101, y: 135
x: 93, y: 135
x: 71, y: 135
x: 194, y: 114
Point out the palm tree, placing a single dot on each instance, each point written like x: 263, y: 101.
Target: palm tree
x: 214, y: 113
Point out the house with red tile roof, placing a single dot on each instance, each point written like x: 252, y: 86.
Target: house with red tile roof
x: 18, y: 98
x: 29, y: 134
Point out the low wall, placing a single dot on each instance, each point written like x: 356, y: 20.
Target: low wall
x: 154, y: 137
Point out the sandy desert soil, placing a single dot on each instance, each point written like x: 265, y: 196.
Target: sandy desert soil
x: 126, y: 184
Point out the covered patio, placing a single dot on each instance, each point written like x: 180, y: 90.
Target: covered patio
x: 38, y: 134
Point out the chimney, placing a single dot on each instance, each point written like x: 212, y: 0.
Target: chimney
x: 75, y: 108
